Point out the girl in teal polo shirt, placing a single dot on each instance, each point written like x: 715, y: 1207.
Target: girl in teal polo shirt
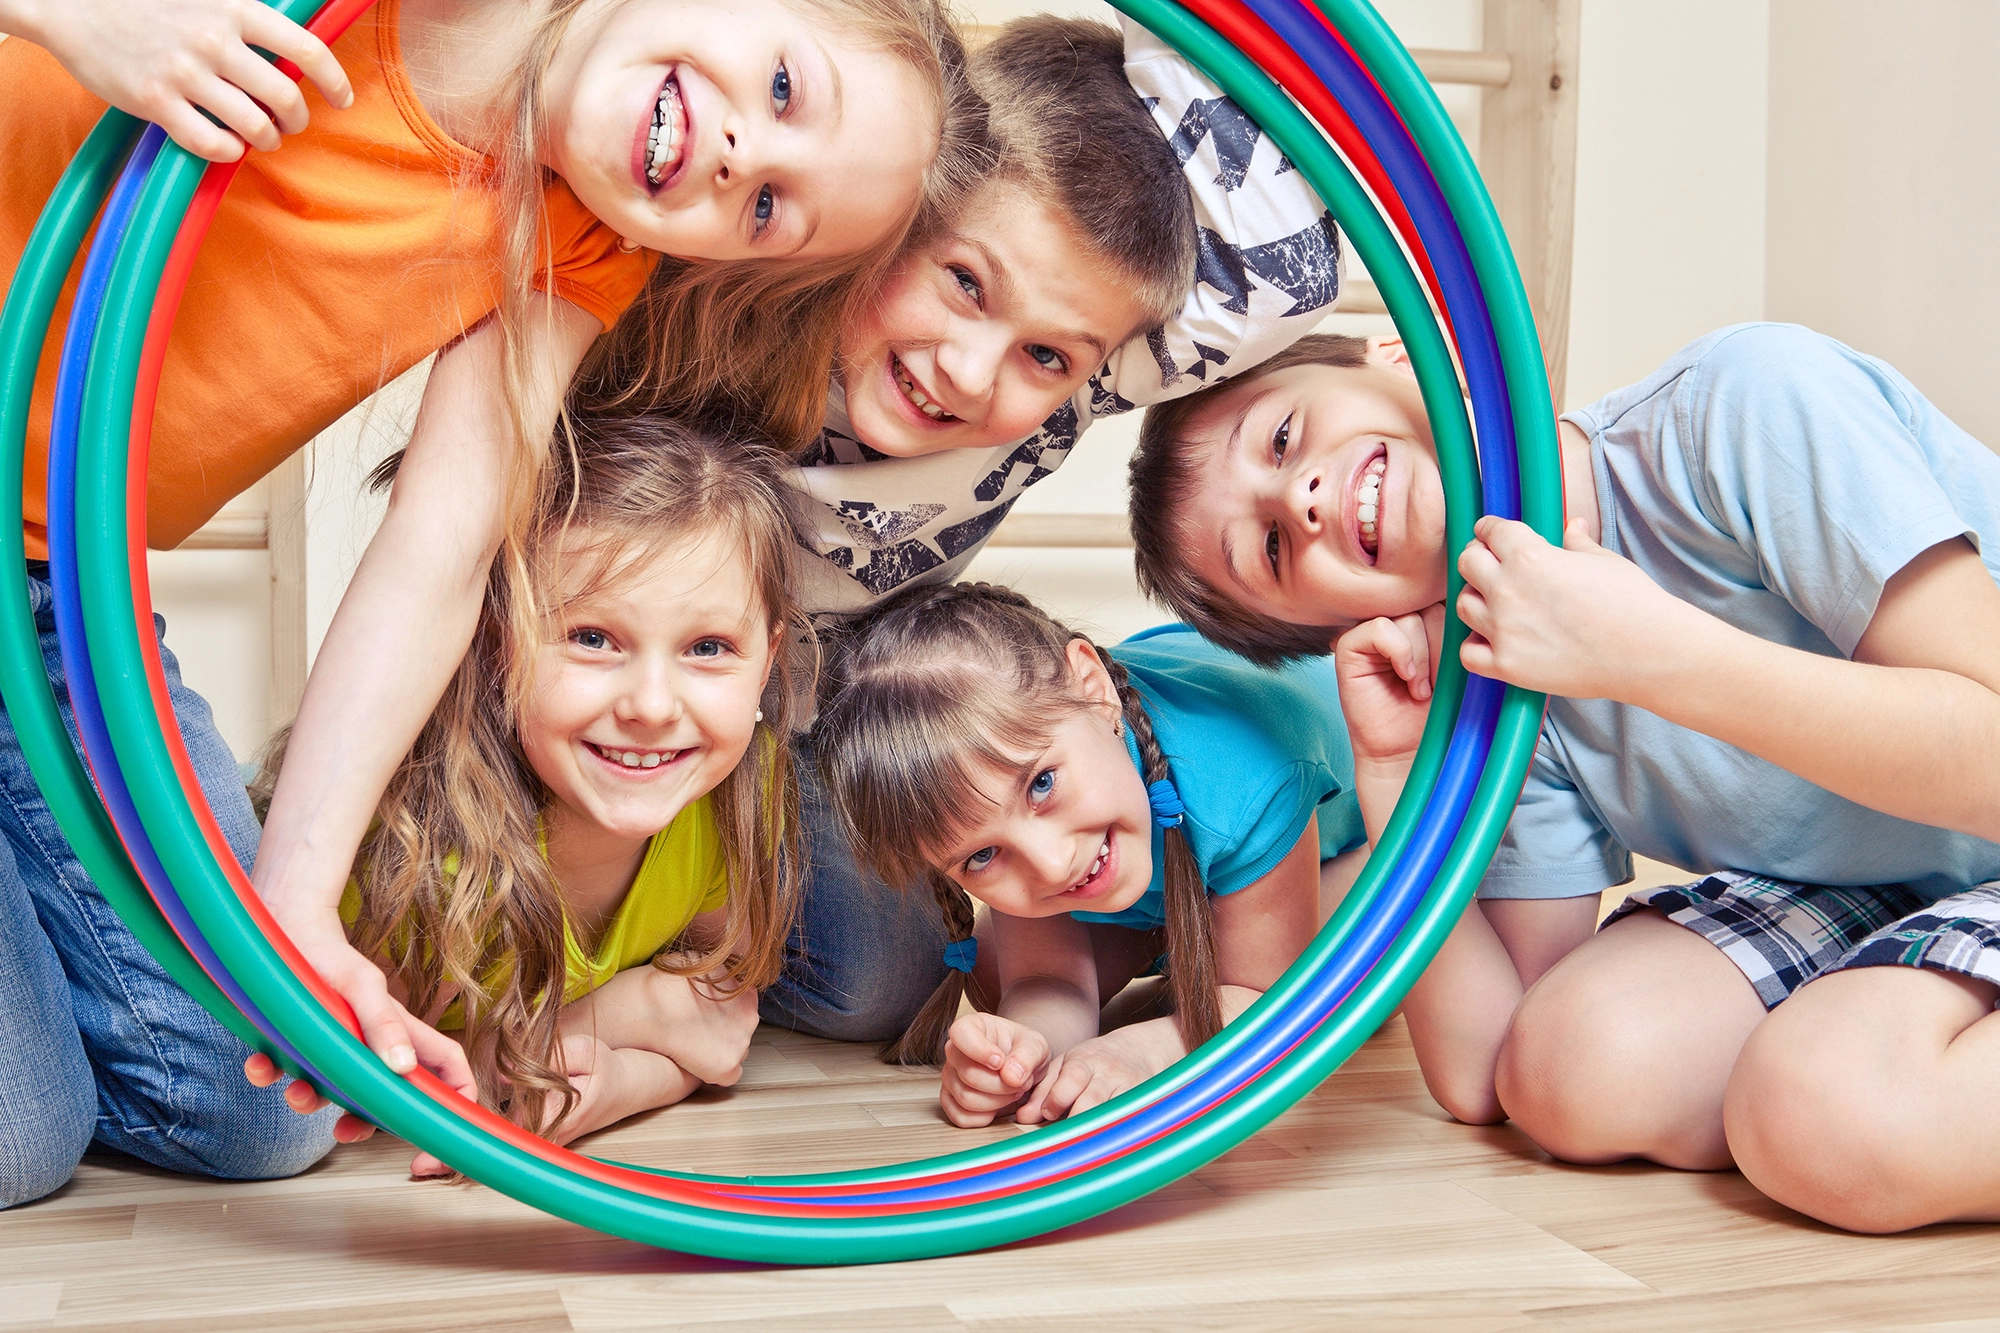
x: 1164, y: 797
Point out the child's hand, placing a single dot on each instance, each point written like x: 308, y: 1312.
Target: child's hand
x: 1086, y: 1075
x: 1576, y: 621
x: 990, y: 1064
x: 1386, y: 670
x: 171, y: 59
x: 403, y: 1042
x: 713, y: 1027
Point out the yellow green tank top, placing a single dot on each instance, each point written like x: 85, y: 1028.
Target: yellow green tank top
x: 684, y: 874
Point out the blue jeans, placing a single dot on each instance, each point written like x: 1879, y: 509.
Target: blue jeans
x: 96, y: 1044
x: 863, y: 957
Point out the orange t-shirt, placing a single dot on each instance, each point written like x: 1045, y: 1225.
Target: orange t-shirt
x: 362, y: 246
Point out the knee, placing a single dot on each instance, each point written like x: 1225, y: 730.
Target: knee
x: 39, y: 1155
x: 1563, y: 1060
x: 1816, y: 1126
x: 256, y: 1137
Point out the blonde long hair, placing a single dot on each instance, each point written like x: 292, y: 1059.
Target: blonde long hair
x: 456, y: 895
x: 939, y: 686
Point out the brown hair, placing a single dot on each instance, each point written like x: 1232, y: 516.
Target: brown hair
x: 1164, y: 474
x: 456, y: 894
x: 937, y: 685
x: 1069, y: 129
x: 761, y: 334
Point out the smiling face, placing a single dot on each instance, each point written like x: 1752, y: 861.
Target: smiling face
x: 978, y: 336
x: 1069, y: 829
x: 1317, y: 500
x: 648, y: 697
x: 735, y: 130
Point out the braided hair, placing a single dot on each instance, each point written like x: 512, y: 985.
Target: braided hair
x: 937, y: 686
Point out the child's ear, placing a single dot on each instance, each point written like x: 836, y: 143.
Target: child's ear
x: 1087, y: 670
x: 1386, y: 349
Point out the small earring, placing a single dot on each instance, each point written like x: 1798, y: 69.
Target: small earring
x: 1118, y: 727
x: 627, y: 246
x: 759, y: 717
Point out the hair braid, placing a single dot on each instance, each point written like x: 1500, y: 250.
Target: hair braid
x: 1190, y: 924
x: 922, y: 1042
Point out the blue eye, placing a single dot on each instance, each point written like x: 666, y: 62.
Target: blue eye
x: 596, y: 640
x: 781, y: 89
x: 1281, y: 439
x: 980, y: 859
x: 708, y: 648
x: 968, y: 284
x: 1271, y: 550
x: 767, y: 203
x: 1042, y: 784
x: 1049, y: 357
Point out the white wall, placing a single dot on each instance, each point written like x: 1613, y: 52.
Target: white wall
x: 1670, y: 189
x: 1885, y: 188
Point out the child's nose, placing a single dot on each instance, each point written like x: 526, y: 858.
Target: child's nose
x: 971, y: 362
x: 653, y: 699
x: 1312, y: 503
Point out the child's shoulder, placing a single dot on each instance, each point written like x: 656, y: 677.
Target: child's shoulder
x: 1759, y: 365
x: 1208, y: 701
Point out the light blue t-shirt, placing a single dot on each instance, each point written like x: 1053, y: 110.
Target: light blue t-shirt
x: 1777, y: 480
x: 1254, y: 754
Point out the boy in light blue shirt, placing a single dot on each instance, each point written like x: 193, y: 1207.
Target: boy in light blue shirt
x: 1772, y: 642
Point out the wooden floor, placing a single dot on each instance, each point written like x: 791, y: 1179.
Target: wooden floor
x: 1364, y: 1206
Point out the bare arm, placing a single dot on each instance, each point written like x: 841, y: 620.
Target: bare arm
x: 1909, y: 727
x: 399, y: 634
x: 1458, y: 1011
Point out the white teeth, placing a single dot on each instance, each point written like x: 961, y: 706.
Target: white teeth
x: 918, y: 399
x: 650, y: 761
x: 662, y: 142
x: 1368, y: 500
x: 636, y: 758
x: 629, y: 759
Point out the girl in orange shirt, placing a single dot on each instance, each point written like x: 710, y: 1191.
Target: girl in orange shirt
x: 489, y: 190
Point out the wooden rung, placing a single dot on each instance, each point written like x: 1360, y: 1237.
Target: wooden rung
x: 1482, y: 69
x: 1063, y: 531
x: 230, y: 532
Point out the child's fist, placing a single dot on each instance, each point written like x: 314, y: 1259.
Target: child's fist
x: 1574, y: 620
x: 1386, y: 669
x: 990, y: 1064
x: 1087, y: 1074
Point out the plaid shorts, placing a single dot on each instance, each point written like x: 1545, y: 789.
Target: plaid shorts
x: 1782, y: 935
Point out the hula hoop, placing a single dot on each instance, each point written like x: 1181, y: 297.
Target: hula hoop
x: 1423, y: 225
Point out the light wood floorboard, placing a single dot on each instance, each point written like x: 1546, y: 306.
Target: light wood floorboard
x: 1363, y: 1207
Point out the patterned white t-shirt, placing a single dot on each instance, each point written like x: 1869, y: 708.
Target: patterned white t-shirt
x: 1268, y: 269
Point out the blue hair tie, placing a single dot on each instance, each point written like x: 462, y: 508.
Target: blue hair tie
x: 1166, y: 803
x: 961, y: 954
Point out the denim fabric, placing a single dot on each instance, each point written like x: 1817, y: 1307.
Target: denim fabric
x: 863, y: 957
x: 96, y: 1043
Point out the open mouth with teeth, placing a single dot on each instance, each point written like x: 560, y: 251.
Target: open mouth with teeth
x: 918, y: 398
x: 1368, y: 502
x: 1098, y: 877
x: 668, y: 135
x: 638, y: 759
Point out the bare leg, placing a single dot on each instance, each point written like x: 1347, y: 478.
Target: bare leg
x: 1459, y: 1009
x: 1866, y: 1100
x: 1624, y: 1048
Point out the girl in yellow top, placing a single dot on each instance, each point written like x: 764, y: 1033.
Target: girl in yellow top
x: 580, y: 865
